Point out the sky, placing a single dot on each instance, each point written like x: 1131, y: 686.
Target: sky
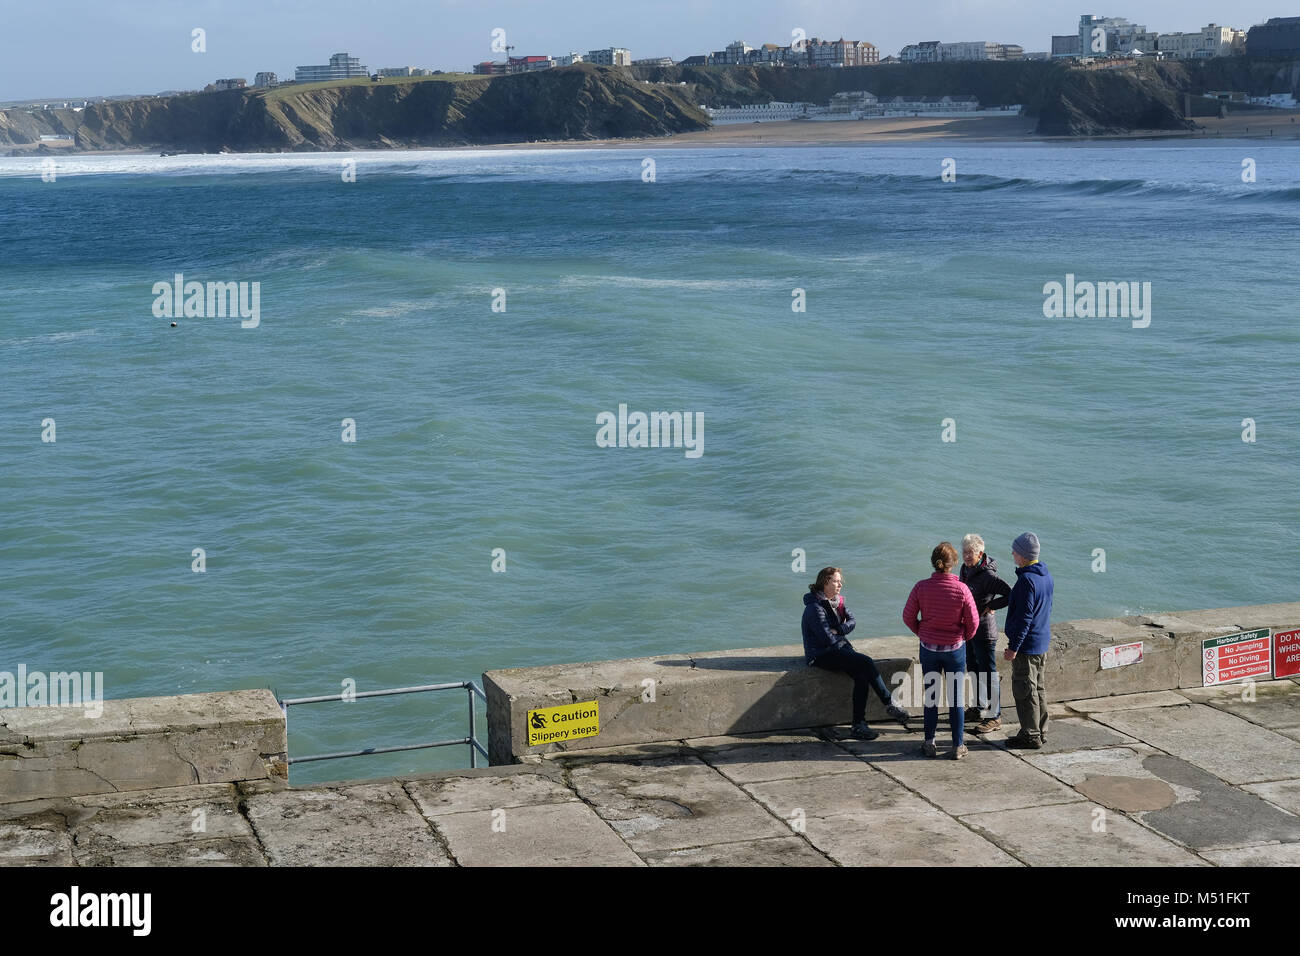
x: 68, y: 48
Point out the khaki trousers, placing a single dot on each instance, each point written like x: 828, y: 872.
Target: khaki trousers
x: 1030, y: 694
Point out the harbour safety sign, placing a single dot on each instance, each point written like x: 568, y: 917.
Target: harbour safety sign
x: 553, y: 725
x: 1236, y: 657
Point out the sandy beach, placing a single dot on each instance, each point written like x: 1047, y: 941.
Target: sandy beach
x: 1273, y: 124
x: 1276, y: 124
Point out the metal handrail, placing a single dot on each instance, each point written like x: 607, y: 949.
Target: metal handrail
x: 475, y: 748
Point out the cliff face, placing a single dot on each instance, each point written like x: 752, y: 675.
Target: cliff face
x: 1253, y: 75
x: 1067, y: 101
x: 21, y: 127
x: 1095, y: 102
x: 589, y: 102
x: 581, y: 102
x: 995, y: 84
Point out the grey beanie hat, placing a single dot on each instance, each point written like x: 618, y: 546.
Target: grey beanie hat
x: 1026, y: 546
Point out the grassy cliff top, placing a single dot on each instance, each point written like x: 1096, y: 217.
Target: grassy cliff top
x: 291, y: 89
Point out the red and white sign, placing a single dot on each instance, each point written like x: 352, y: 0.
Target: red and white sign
x: 1121, y: 655
x: 1286, y: 653
x: 1236, y: 657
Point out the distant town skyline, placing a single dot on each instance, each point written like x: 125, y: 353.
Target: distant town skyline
x: 62, y: 48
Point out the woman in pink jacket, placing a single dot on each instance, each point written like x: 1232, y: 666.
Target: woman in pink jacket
x: 942, y: 613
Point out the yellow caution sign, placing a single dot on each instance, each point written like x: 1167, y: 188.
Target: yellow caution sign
x: 552, y: 725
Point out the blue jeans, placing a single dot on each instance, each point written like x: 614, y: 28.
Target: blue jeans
x: 952, y: 665
x: 981, y: 657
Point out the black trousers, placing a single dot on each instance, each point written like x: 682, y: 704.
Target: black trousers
x: 865, y: 677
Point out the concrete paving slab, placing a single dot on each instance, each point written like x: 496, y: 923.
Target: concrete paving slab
x: 987, y: 779
x: 366, y: 825
x: 1201, y: 812
x: 1221, y: 816
x: 659, y: 805
x: 1155, y: 698
x: 193, y: 794
x: 1281, y: 685
x: 1282, y: 793
x: 1228, y: 747
x: 38, y: 842
x: 141, y: 821
x: 553, y: 834
x: 462, y: 794
x: 1073, y: 767
x: 1129, y: 794
x: 129, y: 829
x: 1275, y: 854
x: 1276, y: 704
x: 242, y: 852
x: 774, y: 851
x: 1063, y: 835
x: 663, y: 748
x: 869, y: 820
x: 60, y: 809
x: 1064, y: 734
x: 754, y: 761
x: 722, y: 742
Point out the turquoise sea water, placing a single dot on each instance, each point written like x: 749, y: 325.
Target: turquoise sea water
x: 476, y: 430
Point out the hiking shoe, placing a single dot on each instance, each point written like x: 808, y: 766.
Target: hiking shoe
x: 928, y: 749
x: 1022, y: 742
x: 986, y: 726
x: 960, y: 752
x: 863, y: 732
x: 898, y: 714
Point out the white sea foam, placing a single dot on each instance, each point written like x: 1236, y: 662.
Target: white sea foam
x: 710, y: 285
x: 48, y: 339
x: 429, y: 162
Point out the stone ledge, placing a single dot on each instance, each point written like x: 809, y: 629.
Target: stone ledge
x: 142, y: 744
x: 701, y: 695
x: 770, y: 688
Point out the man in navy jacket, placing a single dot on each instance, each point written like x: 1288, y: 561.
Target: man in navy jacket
x: 1029, y: 634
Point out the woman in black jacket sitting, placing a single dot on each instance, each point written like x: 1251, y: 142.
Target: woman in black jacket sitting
x: 826, y: 625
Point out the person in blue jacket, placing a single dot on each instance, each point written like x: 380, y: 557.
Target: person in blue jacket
x: 1029, y: 634
x: 826, y: 625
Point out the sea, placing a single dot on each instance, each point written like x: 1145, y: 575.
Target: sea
x: 422, y: 456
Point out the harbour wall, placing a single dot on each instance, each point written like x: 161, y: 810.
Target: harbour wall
x: 154, y: 743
